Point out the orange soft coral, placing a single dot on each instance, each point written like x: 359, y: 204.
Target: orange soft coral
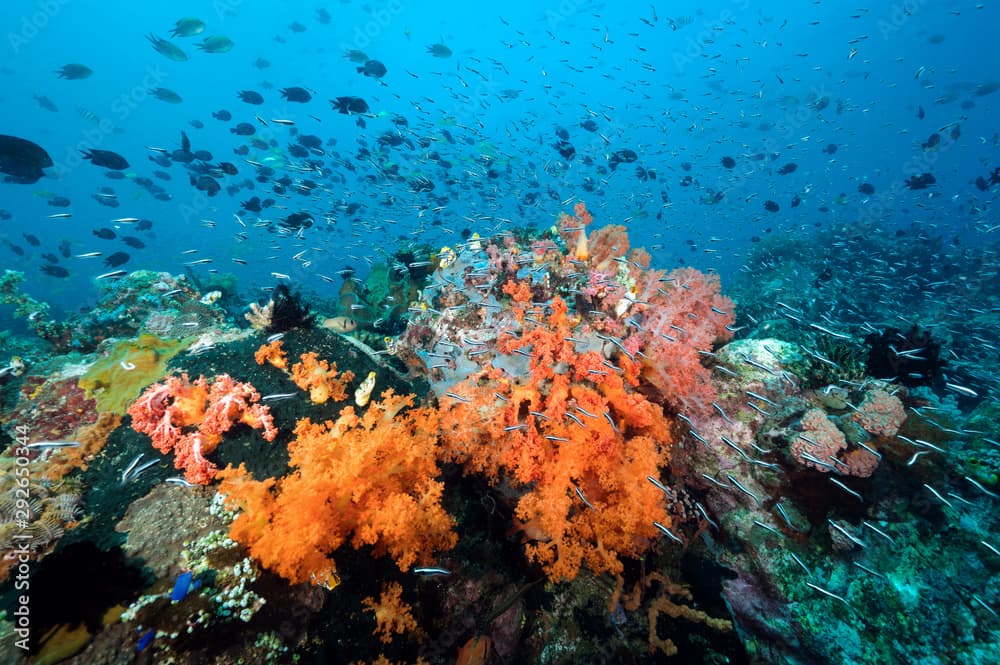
x: 519, y: 291
x: 367, y: 480
x: 273, y: 354
x: 392, y: 614
x: 574, y: 430
x: 321, y: 379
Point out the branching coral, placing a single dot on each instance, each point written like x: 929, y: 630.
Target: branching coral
x: 367, y: 480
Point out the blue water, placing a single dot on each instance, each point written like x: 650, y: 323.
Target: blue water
x: 673, y: 83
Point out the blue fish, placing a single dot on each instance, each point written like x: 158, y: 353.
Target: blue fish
x: 181, y: 586
x: 145, y: 640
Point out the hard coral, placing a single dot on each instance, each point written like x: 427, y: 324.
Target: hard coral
x: 190, y: 418
x: 880, y: 413
x: 368, y: 480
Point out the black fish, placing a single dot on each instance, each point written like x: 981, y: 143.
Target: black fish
x: 132, y: 241
x: 64, y: 248
x: 116, y: 259
x: 143, y: 225
x: 297, y: 220
x: 50, y: 257
x: 223, y: 115
x: 349, y: 105
x: 22, y: 160
x: 252, y: 204
x: 922, y: 181
x: 830, y: 149
x: 866, y: 188
x: 589, y: 125
x: 185, y: 142
x: 981, y: 184
x: 932, y: 141
x: 105, y: 158
x: 228, y: 168
x: 59, y: 202
x: 771, y: 206
x: 54, y: 270
x: 565, y: 149
x: 105, y: 233
x: 920, y: 112
x: 207, y: 184
x: 296, y: 94
x: 796, y: 201
x: 625, y: 156
x: 243, y: 129
x: 17, y: 249
x: 310, y: 140
x: 728, y: 162
x: 31, y: 240
x: 251, y: 97
x: 373, y: 68
x: 197, y: 124
x: 788, y: 168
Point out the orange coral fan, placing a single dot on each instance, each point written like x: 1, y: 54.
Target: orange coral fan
x: 575, y: 429
x: 320, y: 378
x: 392, y: 614
x: 272, y: 353
x: 368, y: 480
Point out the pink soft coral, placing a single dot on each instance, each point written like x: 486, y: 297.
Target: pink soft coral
x: 190, y: 417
